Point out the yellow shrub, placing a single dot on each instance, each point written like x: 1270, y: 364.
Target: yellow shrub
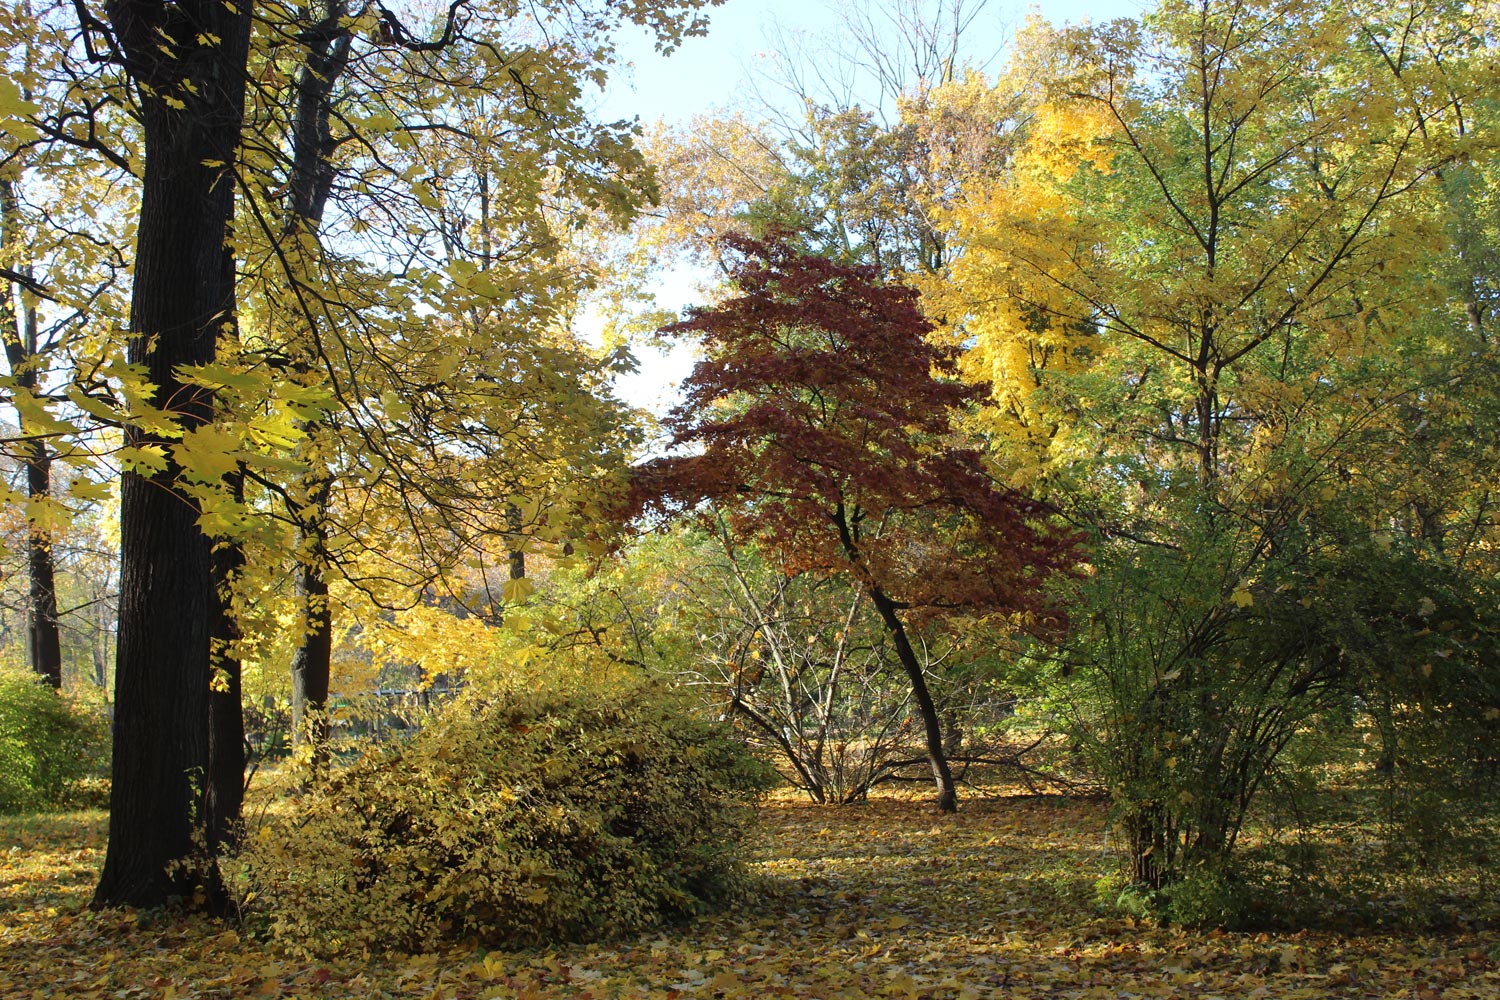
x: 518, y: 817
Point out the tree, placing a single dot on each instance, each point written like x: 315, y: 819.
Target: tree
x: 18, y: 329
x: 824, y: 423
x: 186, y: 63
x: 61, y: 212
x: 416, y: 199
x: 191, y: 432
x: 1204, y: 287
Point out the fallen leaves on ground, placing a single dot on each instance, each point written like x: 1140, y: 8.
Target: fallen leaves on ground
x: 883, y: 900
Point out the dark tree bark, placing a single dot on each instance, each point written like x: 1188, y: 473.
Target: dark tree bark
x: 187, y: 60
x: 937, y: 757
x: 226, y: 727
x: 1146, y: 836
x: 44, y: 634
x: 308, y: 191
x: 313, y: 145
x: 312, y: 659
x: 42, y: 624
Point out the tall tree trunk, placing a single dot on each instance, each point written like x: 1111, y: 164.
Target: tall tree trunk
x: 942, y: 775
x: 43, y: 632
x: 309, y: 187
x: 226, y: 728
x: 42, y: 624
x: 188, y: 62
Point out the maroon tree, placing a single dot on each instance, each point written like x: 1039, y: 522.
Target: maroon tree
x: 820, y: 422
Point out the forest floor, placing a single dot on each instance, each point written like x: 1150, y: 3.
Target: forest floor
x: 888, y: 899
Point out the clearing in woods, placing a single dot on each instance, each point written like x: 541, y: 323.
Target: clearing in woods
x: 882, y: 900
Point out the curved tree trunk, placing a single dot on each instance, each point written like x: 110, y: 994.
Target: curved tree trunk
x: 942, y: 775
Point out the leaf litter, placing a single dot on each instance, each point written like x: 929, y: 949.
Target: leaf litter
x: 881, y: 900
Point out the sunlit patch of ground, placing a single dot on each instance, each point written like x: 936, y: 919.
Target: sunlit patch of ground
x: 885, y: 899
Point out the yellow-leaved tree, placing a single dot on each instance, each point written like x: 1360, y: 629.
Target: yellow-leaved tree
x: 1205, y: 295
x: 264, y: 162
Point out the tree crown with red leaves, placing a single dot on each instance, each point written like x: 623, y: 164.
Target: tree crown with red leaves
x: 820, y: 422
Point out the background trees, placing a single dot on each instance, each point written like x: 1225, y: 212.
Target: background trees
x: 61, y: 213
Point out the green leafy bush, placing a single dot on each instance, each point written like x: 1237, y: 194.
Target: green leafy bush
x: 1344, y: 682
x: 50, y: 745
x: 551, y: 811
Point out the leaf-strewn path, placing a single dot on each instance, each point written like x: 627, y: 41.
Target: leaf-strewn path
x: 884, y: 900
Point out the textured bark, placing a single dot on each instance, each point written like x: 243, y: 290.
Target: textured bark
x: 1147, y: 844
x: 187, y: 60
x: 42, y: 624
x: 313, y: 145
x: 311, y: 661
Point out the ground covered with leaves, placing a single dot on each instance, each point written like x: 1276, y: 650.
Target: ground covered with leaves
x: 883, y: 900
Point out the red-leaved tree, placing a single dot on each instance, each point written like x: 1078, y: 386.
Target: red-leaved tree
x: 820, y: 422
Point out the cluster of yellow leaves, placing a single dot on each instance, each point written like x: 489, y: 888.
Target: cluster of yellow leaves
x: 1190, y: 192
x: 13, y: 111
x: 1001, y: 295
x: 433, y: 638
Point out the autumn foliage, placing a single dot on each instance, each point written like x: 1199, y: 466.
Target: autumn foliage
x: 570, y: 807
x: 820, y: 422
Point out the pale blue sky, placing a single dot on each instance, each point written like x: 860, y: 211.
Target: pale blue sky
x: 712, y: 71
x: 721, y: 71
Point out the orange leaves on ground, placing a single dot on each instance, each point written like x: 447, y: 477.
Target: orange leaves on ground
x: 860, y: 902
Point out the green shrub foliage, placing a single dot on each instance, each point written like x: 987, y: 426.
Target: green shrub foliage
x: 1206, y: 695
x: 540, y: 813
x: 49, y: 745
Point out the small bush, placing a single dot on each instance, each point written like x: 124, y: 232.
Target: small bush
x: 1218, y: 897
x: 50, y: 745
x: 558, y: 812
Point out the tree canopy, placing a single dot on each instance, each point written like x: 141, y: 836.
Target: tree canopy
x: 1121, y: 417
